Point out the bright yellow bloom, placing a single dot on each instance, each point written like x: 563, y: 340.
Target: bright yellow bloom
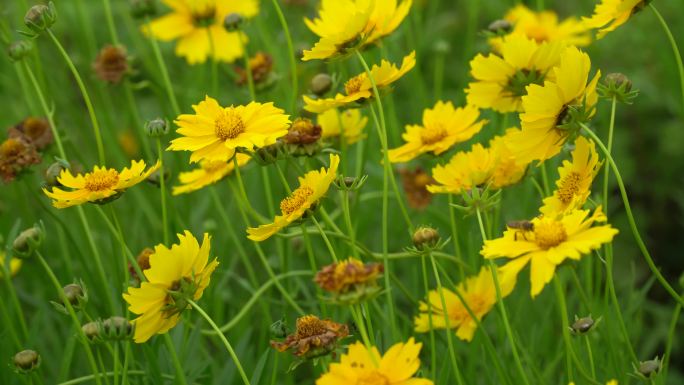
x: 550, y: 242
x: 209, y: 172
x: 501, y: 80
x: 14, y: 265
x: 363, y: 366
x: 544, y: 26
x: 359, y: 88
x: 443, y: 127
x: 347, y: 25
x: 312, y: 187
x: 175, y: 275
x: 575, y: 178
x: 215, y: 132
x: 198, y: 26
x: 97, y: 185
x: 547, y: 108
x: 480, y: 166
x: 478, y: 292
x: 610, y: 14
x: 349, y: 123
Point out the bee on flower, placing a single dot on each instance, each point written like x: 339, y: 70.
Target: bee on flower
x: 611, y: 14
x: 98, y: 186
x: 443, y: 127
x: 359, y: 88
x: 347, y: 125
x: 208, y: 173
x: 198, y: 25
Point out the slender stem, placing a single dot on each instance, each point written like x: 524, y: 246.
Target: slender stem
x: 325, y: 239
x: 15, y: 301
x: 590, y: 355
x: 616, y: 304
x: 502, y: 308
x: 86, y: 97
x: 162, y: 68
x: 670, y: 340
x: 454, y: 236
x: 116, y: 231
x: 433, y: 347
x: 223, y: 338
x: 630, y: 218
x: 248, y: 72
x: 358, y: 320
x: 675, y: 49
x: 180, y: 375
x: 110, y: 21
x: 83, y: 379
x: 348, y: 222
x: 606, y: 173
x: 545, y: 179
x: 560, y: 296
x: 290, y: 48
x: 162, y: 189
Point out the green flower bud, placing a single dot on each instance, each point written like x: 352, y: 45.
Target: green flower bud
x: 425, y: 238
x: 40, y: 17
x: 75, y: 294
x: 232, y: 22
x: 28, y: 241
x: 584, y: 325
x: 19, y: 49
x: 143, y: 8
x: 116, y: 328
x: 619, y: 80
x: 350, y: 183
x: 649, y: 369
x: 321, y: 84
x: 26, y: 361
x: 279, y: 329
x: 500, y: 27
x: 92, y: 331
x: 54, y: 171
x: 157, y: 127
x: 617, y: 86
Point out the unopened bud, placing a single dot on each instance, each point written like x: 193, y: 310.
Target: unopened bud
x: 619, y: 80
x: 321, y: 84
x: 143, y: 8
x: 75, y: 295
x: 649, y: 368
x: 28, y: 241
x: 617, y: 86
x: 500, y: 27
x: 232, y: 22
x: 40, y: 17
x: 584, y: 325
x: 425, y: 237
x: 350, y: 183
x: 54, y: 171
x: 19, y: 49
x: 92, y: 331
x: 157, y: 127
x: 26, y: 361
x: 116, y: 328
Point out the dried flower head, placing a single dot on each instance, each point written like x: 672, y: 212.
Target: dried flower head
x: 261, y: 65
x: 314, y: 337
x: 350, y: 281
x: 16, y: 155
x: 415, y: 185
x: 111, y: 64
x: 34, y: 130
x: 303, y: 131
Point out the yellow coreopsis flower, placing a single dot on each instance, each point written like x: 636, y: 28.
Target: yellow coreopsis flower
x: 347, y: 25
x: 575, y: 178
x: 209, y: 172
x: 443, y: 127
x: 550, y: 110
x: 198, y: 27
x: 349, y: 124
x: 478, y: 292
x: 359, y: 87
x: 175, y: 275
x: 215, y: 132
x: 501, y: 80
x: 544, y: 26
x: 14, y: 265
x: 361, y: 365
x: 549, y: 242
x: 98, y: 185
x: 312, y: 187
x: 610, y: 14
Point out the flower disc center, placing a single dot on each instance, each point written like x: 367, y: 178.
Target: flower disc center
x: 569, y: 186
x: 296, y: 200
x: 354, y: 84
x: 549, y: 234
x: 101, y: 180
x: 229, y: 125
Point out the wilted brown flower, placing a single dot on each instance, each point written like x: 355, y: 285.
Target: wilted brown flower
x: 261, y: 65
x: 350, y: 280
x: 415, y: 185
x: 313, y: 338
x: 111, y: 64
x: 303, y: 131
x: 16, y: 155
x: 35, y: 130
x: 143, y: 260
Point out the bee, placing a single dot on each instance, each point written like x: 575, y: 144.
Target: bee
x: 522, y: 227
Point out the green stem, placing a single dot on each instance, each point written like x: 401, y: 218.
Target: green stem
x: 116, y: 231
x: 358, y: 320
x: 164, y: 71
x: 590, y: 355
x: 223, y: 338
x: 670, y: 340
x: 606, y: 173
x: 162, y: 189
x: 290, y: 48
x: 560, y: 296
x: 348, y: 222
x: 325, y: 239
x: 83, y: 379
x: 433, y: 346
x: 454, y: 236
x: 248, y: 72
x: 545, y: 179
x: 180, y: 375
x: 675, y: 49
x: 214, y: 64
x: 86, y: 97
x: 616, y: 304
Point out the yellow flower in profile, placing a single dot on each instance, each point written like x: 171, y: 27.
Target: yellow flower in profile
x: 544, y: 27
x: 443, y: 127
x: 348, y: 124
x: 215, y: 132
x: 14, y: 265
x: 359, y: 88
x: 574, y: 183
x: 478, y: 292
x: 610, y: 14
x: 98, y: 185
x: 312, y: 187
x: 175, y: 275
x: 549, y: 113
x: 347, y: 25
x: 198, y: 27
x: 361, y: 365
x: 550, y: 242
x: 209, y: 172
x: 501, y: 80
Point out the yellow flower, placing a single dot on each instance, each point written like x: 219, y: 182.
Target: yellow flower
x: 198, y: 26
x: 544, y: 26
x: 443, y: 127
x: 209, y: 172
x: 175, y: 275
x: 361, y: 365
x: 347, y: 25
x: 215, y: 132
x: 575, y: 178
x: 550, y: 242
x: 501, y: 80
x: 349, y: 123
x: 548, y: 109
x: 359, y: 88
x: 97, y: 185
x: 610, y: 14
x: 478, y: 292
x: 14, y: 265
x: 312, y: 187
x: 478, y: 167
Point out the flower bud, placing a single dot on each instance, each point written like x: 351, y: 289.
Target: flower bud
x: 75, y: 294
x: 350, y: 183
x: 279, y: 329
x: 116, y: 328
x: 157, y: 127
x: 143, y: 8
x: 54, y: 171
x: 40, y: 17
x: 321, y: 84
x: 232, y: 22
x: 617, y: 86
x: 92, y: 331
x: 649, y: 368
x: 500, y: 27
x: 425, y: 237
x: 584, y: 325
x: 19, y: 49
x: 619, y: 80
x: 26, y: 361
x: 28, y: 241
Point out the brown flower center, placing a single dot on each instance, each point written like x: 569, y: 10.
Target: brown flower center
x: 309, y: 326
x: 101, y: 180
x: 569, y: 187
x: 35, y: 128
x: 11, y: 147
x: 432, y: 135
x: 296, y: 200
x: 228, y: 125
x: 354, y: 84
x: 548, y: 234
